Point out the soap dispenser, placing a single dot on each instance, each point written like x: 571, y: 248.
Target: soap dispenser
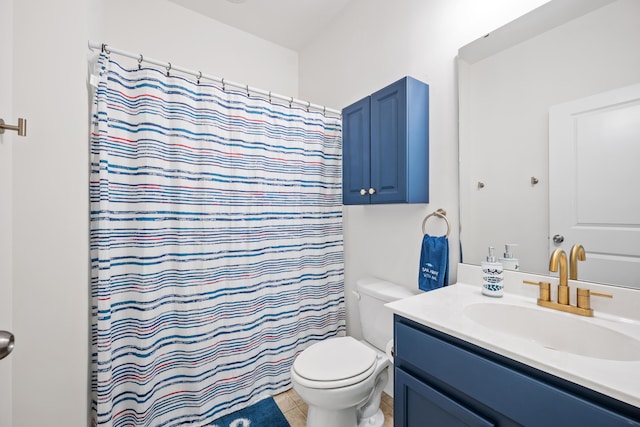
x: 492, y: 275
x: 509, y: 262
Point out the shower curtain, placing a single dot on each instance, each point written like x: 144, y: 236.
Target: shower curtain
x: 216, y: 245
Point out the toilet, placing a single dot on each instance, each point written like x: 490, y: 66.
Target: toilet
x: 342, y: 379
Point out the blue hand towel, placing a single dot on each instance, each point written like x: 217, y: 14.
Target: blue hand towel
x: 434, y: 263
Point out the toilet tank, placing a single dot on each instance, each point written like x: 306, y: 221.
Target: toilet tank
x: 377, y: 320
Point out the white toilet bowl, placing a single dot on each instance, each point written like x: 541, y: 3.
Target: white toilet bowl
x: 341, y: 379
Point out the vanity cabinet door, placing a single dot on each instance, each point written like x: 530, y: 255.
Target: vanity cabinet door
x: 416, y: 404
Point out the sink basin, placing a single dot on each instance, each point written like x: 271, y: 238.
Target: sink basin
x: 556, y: 331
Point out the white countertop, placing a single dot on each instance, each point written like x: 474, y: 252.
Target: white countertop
x: 443, y: 310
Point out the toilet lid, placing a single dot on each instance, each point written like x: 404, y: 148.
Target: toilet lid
x: 336, y: 359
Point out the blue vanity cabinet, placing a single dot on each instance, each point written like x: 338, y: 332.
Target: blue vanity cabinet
x: 441, y: 380
x: 385, y: 146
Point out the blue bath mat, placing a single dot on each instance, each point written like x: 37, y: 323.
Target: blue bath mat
x: 262, y: 414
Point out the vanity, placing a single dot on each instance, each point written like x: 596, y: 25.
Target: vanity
x: 465, y: 359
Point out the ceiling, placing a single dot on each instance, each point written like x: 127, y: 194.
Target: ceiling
x: 288, y: 23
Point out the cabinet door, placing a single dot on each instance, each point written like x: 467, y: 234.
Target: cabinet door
x: 389, y: 143
x: 416, y: 404
x: 356, y: 167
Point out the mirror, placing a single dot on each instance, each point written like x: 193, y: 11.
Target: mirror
x: 511, y: 83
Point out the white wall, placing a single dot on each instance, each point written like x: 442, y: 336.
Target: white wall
x: 165, y: 31
x: 372, y: 44
x: 50, y: 206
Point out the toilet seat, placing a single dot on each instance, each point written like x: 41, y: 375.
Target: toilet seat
x: 334, y: 363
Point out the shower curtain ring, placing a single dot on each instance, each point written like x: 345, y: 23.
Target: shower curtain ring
x: 248, y: 95
x: 168, y: 68
x: 269, y: 97
x: 223, y: 88
x: 140, y: 61
x: 290, y: 102
x: 104, y: 49
x: 199, y: 76
x: 308, y: 106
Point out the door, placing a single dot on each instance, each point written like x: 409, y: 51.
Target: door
x: 6, y: 140
x: 389, y: 143
x: 356, y: 171
x: 416, y: 404
x: 594, y: 183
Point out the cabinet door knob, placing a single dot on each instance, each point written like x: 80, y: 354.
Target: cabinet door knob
x: 363, y: 192
x: 372, y: 191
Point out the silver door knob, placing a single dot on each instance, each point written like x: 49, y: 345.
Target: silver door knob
x: 363, y: 192
x: 558, y: 238
x: 372, y: 191
x: 6, y: 343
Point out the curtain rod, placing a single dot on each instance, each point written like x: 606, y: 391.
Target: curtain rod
x: 140, y: 58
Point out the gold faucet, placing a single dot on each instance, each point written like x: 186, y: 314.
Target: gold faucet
x: 559, y: 259
x: 577, y: 254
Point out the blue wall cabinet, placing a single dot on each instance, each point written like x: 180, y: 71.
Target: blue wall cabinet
x: 441, y: 380
x: 385, y: 146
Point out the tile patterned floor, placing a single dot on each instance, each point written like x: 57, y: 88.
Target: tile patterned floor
x: 295, y: 410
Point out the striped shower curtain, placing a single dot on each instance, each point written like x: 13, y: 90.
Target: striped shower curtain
x: 216, y: 245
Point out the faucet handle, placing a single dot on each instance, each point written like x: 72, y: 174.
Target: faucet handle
x: 584, y: 297
x: 545, y: 289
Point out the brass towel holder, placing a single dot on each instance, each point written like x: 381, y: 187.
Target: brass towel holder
x: 440, y: 213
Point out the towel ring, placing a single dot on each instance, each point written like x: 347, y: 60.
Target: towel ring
x: 441, y: 213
